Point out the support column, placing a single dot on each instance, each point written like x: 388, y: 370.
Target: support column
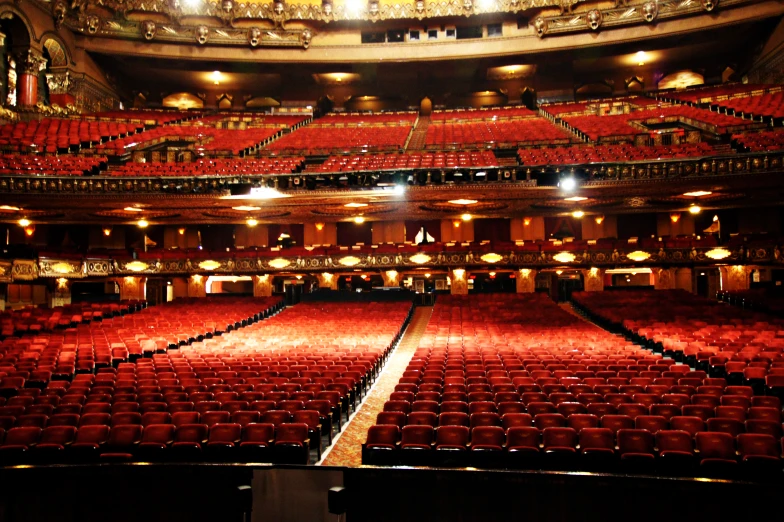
x: 459, y: 278
x: 29, y: 63
x: 197, y: 286
x: 593, y: 280
x: 327, y: 280
x: 133, y: 287
x: 735, y: 278
x: 391, y: 278
x: 3, y: 292
x: 525, y: 280
x: 663, y: 278
x: 684, y: 280
x: 59, y: 84
x: 61, y: 295
x: 262, y: 285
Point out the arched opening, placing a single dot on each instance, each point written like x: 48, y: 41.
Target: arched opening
x: 183, y: 101
x: 634, y: 84
x: 260, y: 102
x: 681, y: 80
x: 225, y: 101
x: 16, y: 41
x: 425, y: 106
x: 528, y: 97
x: 325, y: 104
x: 587, y: 91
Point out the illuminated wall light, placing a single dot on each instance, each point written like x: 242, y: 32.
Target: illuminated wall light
x: 196, y: 278
x: 427, y: 275
x: 327, y: 277
x: 466, y: 217
x: 641, y: 57
x: 492, y: 274
x: 181, y: 231
x: 359, y: 220
x: 525, y: 272
x: 299, y: 277
x: 695, y: 209
x: 599, y: 219
x: 638, y: 255
x: 491, y: 258
x: 251, y: 222
x: 29, y: 230
x: 142, y: 223
x: 62, y: 284
x: 675, y: 217
x: 564, y: 257
x: 456, y: 223
x: 319, y: 226
x: 24, y: 222
x: 578, y: 214
x: 559, y: 272
x: 107, y: 231
x: 718, y: 253
x: 459, y: 274
x: 526, y: 221
x: 594, y: 270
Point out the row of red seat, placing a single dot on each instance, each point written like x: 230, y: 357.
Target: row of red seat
x: 771, y: 140
x: 153, y: 329
x: 342, y: 139
x: 485, y: 113
x: 286, y: 443
x: 35, y: 319
x: 741, y: 345
x: 30, y: 165
x: 494, y: 133
x: 610, y: 153
x: 213, y: 167
x: 160, y: 117
x: 769, y: 105
x: 54, y: 135
x: 410, y: 160
x: 710, y: 94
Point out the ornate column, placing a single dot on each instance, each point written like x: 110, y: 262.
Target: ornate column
x: 593, y: 280
x: 132, y: 287
x: 525, y: 280
x: 61, y: 294
x: 459, y: 278
x: 327, y: 280
x: 735, y: 278
x: 663, y: 278
x: 59, y: 84
x: 262, y: 285
x: 391, y: 278
x: 197, y: 286
x: 28, y: 64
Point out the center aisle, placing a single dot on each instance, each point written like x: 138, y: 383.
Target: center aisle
x: 347, y: 451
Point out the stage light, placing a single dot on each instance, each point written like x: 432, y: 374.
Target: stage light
x: 568, y: 184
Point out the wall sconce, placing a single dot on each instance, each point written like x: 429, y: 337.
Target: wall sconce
x: 107, y: 231
x: 24, y: 222
x: 181, y: 231
x: 456, y: 223
x: 459, y: 274
x: 675, y: 217
x: 526, y: 221
x: 599, y: 219
x: 319, y: 226
x: 29, y: 230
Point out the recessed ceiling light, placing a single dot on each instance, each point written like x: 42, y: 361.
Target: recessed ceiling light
x: 462, y: 201
x: 8, y: 207
x: 133, y: 209
x: 576, y: 198
x: 698, y: 193
x: 355, y: 205
x: 245, y: 208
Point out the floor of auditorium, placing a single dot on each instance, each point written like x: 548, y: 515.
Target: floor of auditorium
x: 347, y: 449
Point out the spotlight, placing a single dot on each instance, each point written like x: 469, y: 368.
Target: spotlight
x: 567, y: 184
x: 695, y: 209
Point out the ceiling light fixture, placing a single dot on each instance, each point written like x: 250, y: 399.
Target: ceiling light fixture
x: 698, y: 193
x: 24, y: 222
x: 251, y: 222
x: 462, y: 201
x: 359, y: 220
x: 355, y: 205
x: 578, y: 214
x: 246, y: 208
x: 133, y: 209
x: 466, y: 217
x: 142, y: 223
x: 9, y: 207
x: 695, y: 209
x: 576, y: 198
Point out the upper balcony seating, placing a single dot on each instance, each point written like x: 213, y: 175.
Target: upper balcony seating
x: 578, y: 155
x: 764, y: 141
x: 714, y: 93
x: 158, y: 117
x: 348, y: 133
x: 52, y: 135
x: 618, y: 126
x: 494, y: 133
x: 410, y: 160
x: 490, y: 113
x: 30, y: 165
x: 213, y: 167
x: 770, y: 105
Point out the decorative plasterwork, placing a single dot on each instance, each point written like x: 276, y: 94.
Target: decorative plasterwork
x: 174, y: 21
x: 525, y: 261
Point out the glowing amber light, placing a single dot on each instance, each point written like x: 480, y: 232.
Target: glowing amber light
x: 564, y: 257
x: 638, y: 255
x: 491, y: 258
x: 718, y: 253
